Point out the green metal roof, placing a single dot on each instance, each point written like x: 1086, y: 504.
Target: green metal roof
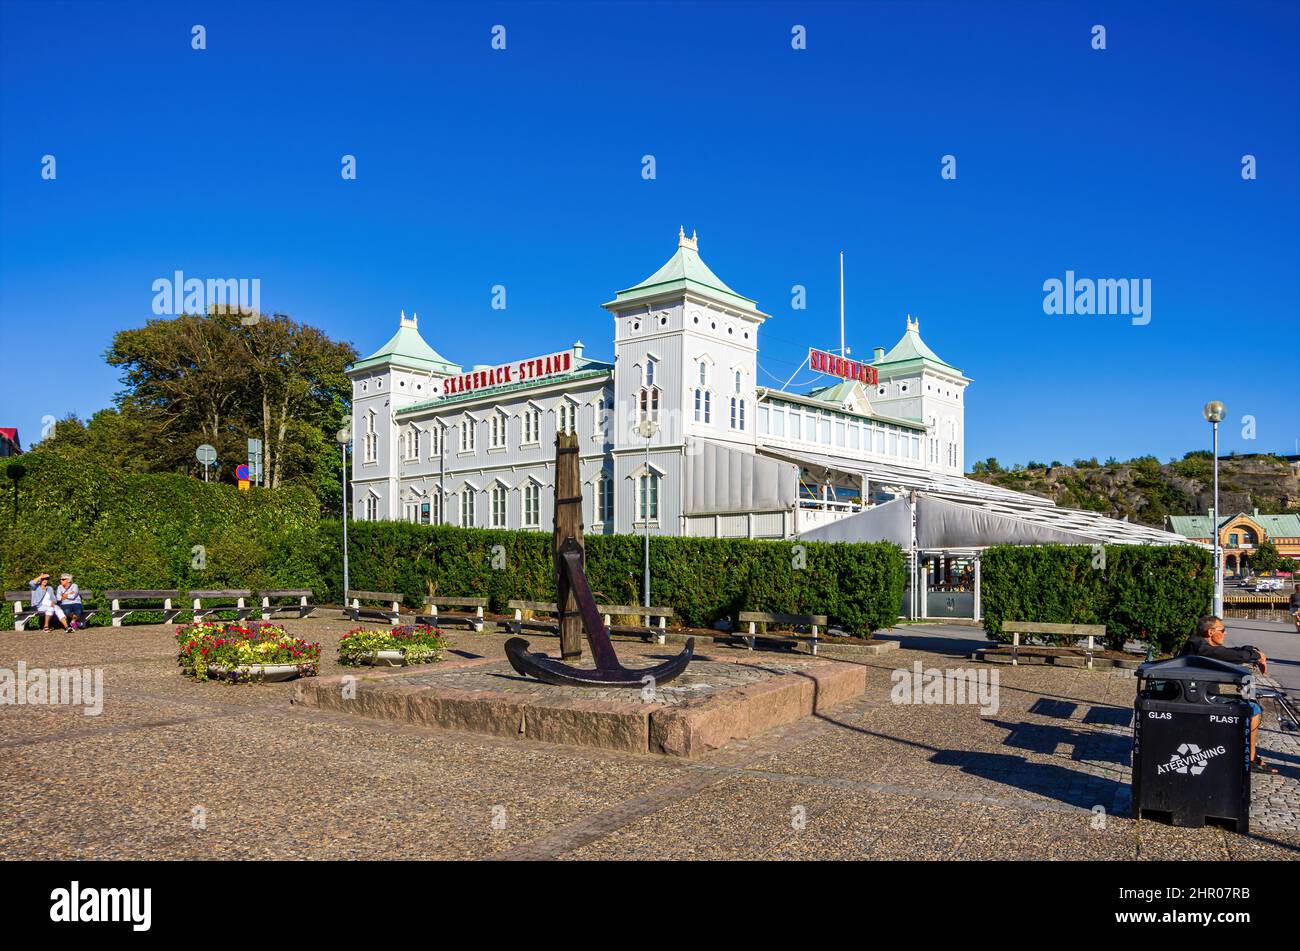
x: 912, y: 350
x: 835, y: 393
x: 407, y: 348
x: 1198, y: 526
x: 685, y: 270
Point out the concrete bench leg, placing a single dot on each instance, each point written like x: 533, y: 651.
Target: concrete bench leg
x: 750, y: 640
x: 1089, y: 652
x: 662, y: 638
x: 814, y: 640
x: 19, y: 620
x: 1015, y: 649
x: 117, y: 613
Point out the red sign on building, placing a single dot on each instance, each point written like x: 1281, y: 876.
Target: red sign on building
x: 835, y: 365
x: 521, y: 371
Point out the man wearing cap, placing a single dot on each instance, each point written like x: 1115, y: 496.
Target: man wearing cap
x: 68, y: 596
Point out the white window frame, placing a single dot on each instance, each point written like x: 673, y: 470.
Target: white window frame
x: 530, y: 497
x: 605, y: 498
x: 500, y: 505
x: 654, y: 484
x: 370, y: 441
x: 498, y: 432
x: 530, y: 424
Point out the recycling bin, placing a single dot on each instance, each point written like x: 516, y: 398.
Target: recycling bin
x: 1191, y: 743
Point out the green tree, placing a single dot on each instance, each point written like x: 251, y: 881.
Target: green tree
x: 1266, y: 558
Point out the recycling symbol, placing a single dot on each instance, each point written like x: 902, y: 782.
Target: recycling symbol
x: 1186, y: 750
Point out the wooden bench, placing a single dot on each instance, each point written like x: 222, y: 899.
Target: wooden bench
x: 356, y: 612
x: 237, y: 595
x: 473, y: 621
x: 644, y: 630
x: 518, y: 624
x: 23, y: 611
x: 119, y: 613
x: 304, y: 607
x: 753, y: 618
x: 1075, y: 632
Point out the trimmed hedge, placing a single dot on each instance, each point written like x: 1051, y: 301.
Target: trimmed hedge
x: 1151, y: 594
x: 117, y: 529
x: 859, y: 586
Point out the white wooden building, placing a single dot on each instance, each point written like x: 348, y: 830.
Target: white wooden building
x: 437, y: 441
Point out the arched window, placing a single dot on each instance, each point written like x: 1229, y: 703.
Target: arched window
x: 532, y: 424
x: 566, y: 417
x: 532, y: 504
x: 605, y: 497
x: 371, y: 438
x: 499, y: 498
x: 649, y: 397
x: 467, y: 495
x: 648, y: 495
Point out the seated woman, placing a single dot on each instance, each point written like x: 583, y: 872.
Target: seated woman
x: 44, y: 601
x: 68, y: 596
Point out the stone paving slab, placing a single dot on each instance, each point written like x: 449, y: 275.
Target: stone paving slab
x: 712, y: 703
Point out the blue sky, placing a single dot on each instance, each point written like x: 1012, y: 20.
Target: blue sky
x: 522, y: 167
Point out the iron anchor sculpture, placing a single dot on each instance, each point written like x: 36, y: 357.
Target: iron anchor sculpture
x: 572, y: 591
x: 608, y: 671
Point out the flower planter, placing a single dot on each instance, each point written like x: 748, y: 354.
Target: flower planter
x: 385, y: 659
x: 262, y: 673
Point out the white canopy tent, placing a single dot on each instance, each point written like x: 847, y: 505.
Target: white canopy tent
x: 944, y: 522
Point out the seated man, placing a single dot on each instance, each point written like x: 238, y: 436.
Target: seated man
x: 1207, y: 641
x: 1295, y: 609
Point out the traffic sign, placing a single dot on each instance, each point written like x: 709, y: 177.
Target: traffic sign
x: 241, y: 472
x: 206, y: 454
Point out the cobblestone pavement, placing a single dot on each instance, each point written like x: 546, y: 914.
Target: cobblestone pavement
x: 177, y: 769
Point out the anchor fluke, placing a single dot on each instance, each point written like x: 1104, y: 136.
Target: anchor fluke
x: 552, y: 671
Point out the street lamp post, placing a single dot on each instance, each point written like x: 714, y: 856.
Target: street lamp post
x: 647, y: 429
x: 343, y: 436
x: 1214, y: 412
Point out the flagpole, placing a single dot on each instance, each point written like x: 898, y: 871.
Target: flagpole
x: 842, y: 353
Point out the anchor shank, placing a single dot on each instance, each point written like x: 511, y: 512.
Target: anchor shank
x: 597, y: 634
